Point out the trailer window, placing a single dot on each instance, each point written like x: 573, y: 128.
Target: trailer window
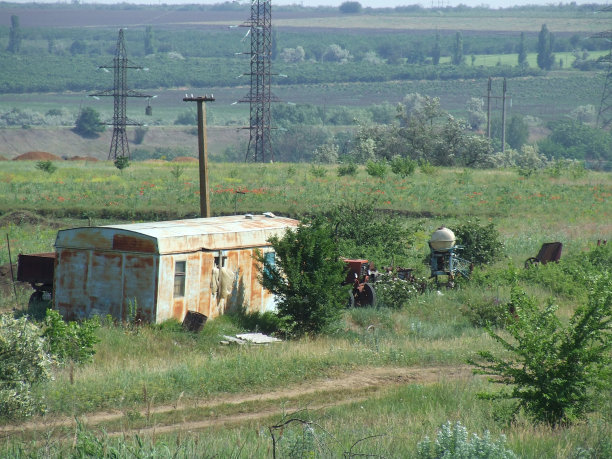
x: 179, y: 278
x: 269, y: 262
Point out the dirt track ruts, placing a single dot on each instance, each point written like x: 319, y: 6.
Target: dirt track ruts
x: 347, y: 383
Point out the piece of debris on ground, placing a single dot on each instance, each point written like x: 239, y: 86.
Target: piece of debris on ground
x: 249, y: 338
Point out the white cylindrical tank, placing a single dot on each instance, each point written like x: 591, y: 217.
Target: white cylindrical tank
x: 442, y: 239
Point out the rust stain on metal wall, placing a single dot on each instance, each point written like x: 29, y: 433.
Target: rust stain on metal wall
x: 256, y: 288
x: 133, y: 244
x: 206, y: 270
x: 139, y: 284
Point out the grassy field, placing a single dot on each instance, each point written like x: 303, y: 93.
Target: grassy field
x: 389, y: 375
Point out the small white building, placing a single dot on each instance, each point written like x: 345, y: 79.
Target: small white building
x: 160, y: 270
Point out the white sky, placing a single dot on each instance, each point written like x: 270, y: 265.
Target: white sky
x: 365, y: 3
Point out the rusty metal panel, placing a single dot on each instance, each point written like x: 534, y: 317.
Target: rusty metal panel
x: 129, y: 243
x: 70, y: 279
x: 216, y: 233
x: 36, y: 268
x: 104, y: 294
x: 139, y: 284
x: 165, y: 288
x: 205, y: 298
x: 256, y: 303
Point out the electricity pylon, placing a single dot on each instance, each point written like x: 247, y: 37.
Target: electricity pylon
x: 120, y: 92
x: 604, y: 115
x: 260, y: 95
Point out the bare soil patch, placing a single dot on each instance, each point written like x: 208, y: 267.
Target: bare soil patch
x: 82, y: 158
x: 37, y: 156
x: 185, y: 159
x: 23, y: 217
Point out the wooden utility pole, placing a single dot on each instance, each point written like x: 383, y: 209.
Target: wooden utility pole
x: 202, y: 152
x: 489, y: 110
x: 503, y: 97
x: 503, y: 139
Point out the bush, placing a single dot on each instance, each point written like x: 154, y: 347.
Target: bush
x: 486, y: 312
x: 349, y: 169
x: 377, y: 169
x: 555, y: 372
x: 394, y: 293
x: 403, y: 166
x: 70, y: 341
x: 23, y: 364
x: 481, y: 244
x: 318, y: 171
x: 88, y: 123
x: 452, y: 442
x: 46, y: 166
x: 306, y: 276
x: 121, y: 162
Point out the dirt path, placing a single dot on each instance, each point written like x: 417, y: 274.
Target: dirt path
x: 346, y: 385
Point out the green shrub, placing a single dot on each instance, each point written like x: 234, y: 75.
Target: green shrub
x: 306, y: 276
x: 394, y: 293
x: 555, y: 372
x: 377, y: 169
x: 122, y: 162
x: 46, y: 166
x: 70, y: 341
x: 403, y: 166
x: 23, y: 364
x: 348, y: 169
x: 318, y: 171
x: 427, y: 168
x: 481, y: 244
x: 483, y: 312
x: 452, y: 442
x: 88, y: 123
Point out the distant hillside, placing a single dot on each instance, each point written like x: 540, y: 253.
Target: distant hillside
x: 64, y: 142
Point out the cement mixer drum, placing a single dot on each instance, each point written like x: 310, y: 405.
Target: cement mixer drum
x: 442, y: 239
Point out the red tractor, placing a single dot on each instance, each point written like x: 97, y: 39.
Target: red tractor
x: 360, y: 274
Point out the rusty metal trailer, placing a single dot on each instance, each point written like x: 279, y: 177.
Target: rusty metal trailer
x: 160, y: 270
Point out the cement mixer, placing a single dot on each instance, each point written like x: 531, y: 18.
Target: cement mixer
x: 444, y: 258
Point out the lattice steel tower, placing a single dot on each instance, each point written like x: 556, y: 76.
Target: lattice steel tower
x: 120, y: 92
x: 260, y: 95
x: 604, y: 115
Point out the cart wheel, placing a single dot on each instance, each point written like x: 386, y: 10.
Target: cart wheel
x: 531, y: 262
x: 37, y: 306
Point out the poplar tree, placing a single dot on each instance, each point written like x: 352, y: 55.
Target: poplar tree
x: 522, y: 52
x: 14, y: 36
x: 546, y: 58
x: 458, y: 49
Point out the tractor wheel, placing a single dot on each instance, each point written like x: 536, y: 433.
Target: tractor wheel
x: 351, y: 299
x: 367, y: 296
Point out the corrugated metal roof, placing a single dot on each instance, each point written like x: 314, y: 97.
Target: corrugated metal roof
x: 216, y: 233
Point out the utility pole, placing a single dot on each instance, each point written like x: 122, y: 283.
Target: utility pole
x: 120, y: 92
x: 503, y: 139
x: 202, y: 152
x: 489, y: 109
x: 503, y: 97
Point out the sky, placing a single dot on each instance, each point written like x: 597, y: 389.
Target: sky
x: 365, y: 3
